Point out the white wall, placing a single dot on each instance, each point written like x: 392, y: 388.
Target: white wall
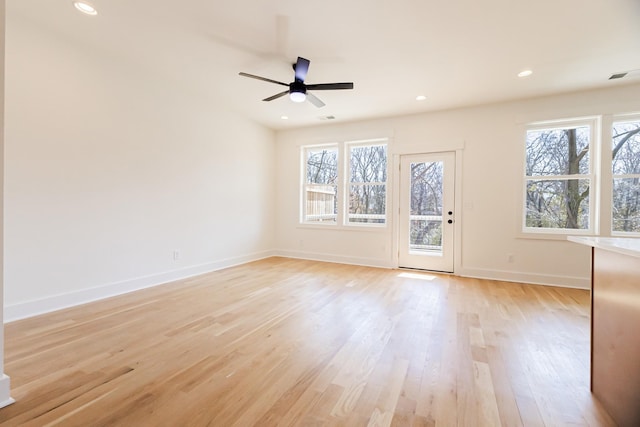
x: 5, y: 397
x: 110, y: 168
x: 492, y: 137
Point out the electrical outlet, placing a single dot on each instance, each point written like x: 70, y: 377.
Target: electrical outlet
x: 176, y: 255
x: 510, y: 258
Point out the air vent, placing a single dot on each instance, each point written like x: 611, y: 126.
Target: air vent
x: 617, y: 76
x: 327, y: 117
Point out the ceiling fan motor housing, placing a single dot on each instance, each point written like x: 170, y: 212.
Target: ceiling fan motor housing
x: 297, y: 86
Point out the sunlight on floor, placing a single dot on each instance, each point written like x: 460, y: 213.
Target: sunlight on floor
x: 417, y: 276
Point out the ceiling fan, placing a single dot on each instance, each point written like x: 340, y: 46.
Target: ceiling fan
x: 298, y: 90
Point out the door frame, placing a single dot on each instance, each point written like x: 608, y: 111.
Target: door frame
x: 459, y: 207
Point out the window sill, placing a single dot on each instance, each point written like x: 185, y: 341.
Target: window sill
x: 337, y: 227
x: 552, y: 236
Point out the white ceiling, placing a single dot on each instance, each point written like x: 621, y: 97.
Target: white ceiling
x: 456, y: 52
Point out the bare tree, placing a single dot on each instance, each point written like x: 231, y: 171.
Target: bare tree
x: 573, y: 195
x: 321, y: 185
x: 553, y: 202
x: 368, y: 176
x: 322, y: 167
x: 563, y: 203
x: 426, y: 200
x: 626, y: 171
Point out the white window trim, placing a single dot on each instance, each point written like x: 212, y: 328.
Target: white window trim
x: 347, y: 182
x: 342, y: 221
x: 609, y: 175
x: 303, y: 184
x: 594, y: 123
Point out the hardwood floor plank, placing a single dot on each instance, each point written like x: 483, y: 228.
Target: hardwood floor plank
x: 285, y: 342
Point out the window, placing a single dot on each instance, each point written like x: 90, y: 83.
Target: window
x: 353, y: 195
x: 625, y: 169
x: 367, y: 183
x: 320, y: 189
x: 558, y: 184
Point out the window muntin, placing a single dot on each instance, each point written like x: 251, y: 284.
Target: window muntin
x: 320, y: 185
x: 367, y: 197
x: 559, y: 178
x: 625, y: 168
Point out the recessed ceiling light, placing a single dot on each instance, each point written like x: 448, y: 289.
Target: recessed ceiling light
x: 284, y: 117
x: 85, y: 8
x: 420, y: 98
x: 525, y: 73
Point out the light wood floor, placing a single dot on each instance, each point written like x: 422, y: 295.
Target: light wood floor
x: 291, y: 342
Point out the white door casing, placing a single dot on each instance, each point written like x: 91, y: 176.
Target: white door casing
x: 427, y: 212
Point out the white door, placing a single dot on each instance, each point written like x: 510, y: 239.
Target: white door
x: 427, y: 215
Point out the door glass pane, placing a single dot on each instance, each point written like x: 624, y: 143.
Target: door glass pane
x: 426, y: 208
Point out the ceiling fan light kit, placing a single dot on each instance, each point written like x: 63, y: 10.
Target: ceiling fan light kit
x: 298, y: 90
x: 298, y: 96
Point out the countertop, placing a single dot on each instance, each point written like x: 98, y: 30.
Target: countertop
x: 623, y: 245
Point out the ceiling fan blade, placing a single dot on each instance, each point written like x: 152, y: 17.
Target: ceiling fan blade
x: 315, y: 100
x: 276, y: 96
x: 302, y: 68
x: 330, y: 86
x: 264, y: 79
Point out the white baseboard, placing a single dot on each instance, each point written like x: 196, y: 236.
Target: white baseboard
x: 5, y: 397
x: 477, y: 273
x: 339, y: 259
x: 58, y: 302
x: 532, y: 278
